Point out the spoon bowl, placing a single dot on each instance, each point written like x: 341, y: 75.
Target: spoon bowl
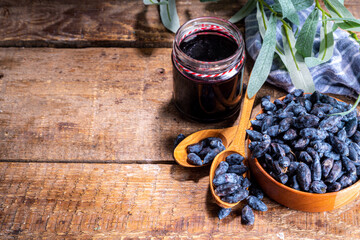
x: 237, y: 146
x: 180, y: 152
x: 218, y: 159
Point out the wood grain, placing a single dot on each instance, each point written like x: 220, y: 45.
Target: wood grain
x: 90, y: 105
x: 102, y: 23
x: 97, y: 23
x: 140, y: 201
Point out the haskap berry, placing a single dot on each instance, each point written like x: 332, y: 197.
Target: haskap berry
x: 232, y: 187
x: 324, y: 153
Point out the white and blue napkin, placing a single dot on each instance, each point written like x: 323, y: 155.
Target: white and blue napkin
x: 340, y: 75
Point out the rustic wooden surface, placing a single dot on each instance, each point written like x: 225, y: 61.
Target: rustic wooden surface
x: 38, y: 23
x: 142, y: 201
x: 97, y: 23
x: 86, y: 134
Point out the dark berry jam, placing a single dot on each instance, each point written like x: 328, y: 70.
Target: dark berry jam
x: 208, y: 46
x: 208, y: 70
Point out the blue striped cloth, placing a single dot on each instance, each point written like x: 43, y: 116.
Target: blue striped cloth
x: 340, y: 75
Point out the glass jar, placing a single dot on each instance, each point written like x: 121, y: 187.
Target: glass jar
x: 208, y: 61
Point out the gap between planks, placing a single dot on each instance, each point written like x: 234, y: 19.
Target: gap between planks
x: 164, y: 162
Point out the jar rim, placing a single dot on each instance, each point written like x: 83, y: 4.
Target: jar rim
x: 236, y: 35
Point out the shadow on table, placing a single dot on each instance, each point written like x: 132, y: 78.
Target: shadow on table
x: 141, y: 25
x: 183, y: 174
x: 180, y: 124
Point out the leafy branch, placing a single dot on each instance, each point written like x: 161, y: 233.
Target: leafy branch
x: 296, y: 53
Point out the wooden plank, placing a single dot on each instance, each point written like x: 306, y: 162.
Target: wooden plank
x: 96, y: 23
x: 140, y: 201
x: 102, y: 23
x: 76, y: 105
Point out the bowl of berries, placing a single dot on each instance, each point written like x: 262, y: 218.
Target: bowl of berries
x: 305, y: 151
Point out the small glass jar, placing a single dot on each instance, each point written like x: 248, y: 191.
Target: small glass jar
x: 207, y: 90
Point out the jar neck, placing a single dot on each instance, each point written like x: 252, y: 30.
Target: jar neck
x: 209, y: 70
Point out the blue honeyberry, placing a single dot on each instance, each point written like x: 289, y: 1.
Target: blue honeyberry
x: 330, y: 122
x: 301, y: 143
x: 279, y: 104
x: 194, y: 159
x: 298, y: 92
x: 238, y: 196
x: 326, y: 166
x: 222, y: 168
x: 351, y: 126
x: 204, y: 152
x: 254, y: 135
x: 246, y: 183
x: 290, y: 134
x: 273, y: 131
x: 344, y: 181
x: 305, y: 145
x: 339, y: 146
x: 334, y: 187
x: 178, y: 139
x: 211, y: 155
x: 305, y: 157
x: 335, y: 172
x: 307, y: 121
x: 227, y: 189
x: 256, y: 192
x: 318, y: 186
x: 247, y: 216
x: 224, y: 212
x: 294, y: 183
x: 303, y: 176
x: 284, y: 162
x: 225, y: 178
x: 195, y: 148
x: 256, y: 204
x: 316, y: 172
x: 234, y: 159
x: 285, y: 124
x: 238, y: 169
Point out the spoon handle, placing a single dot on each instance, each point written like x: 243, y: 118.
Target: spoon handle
x: 239, y: 138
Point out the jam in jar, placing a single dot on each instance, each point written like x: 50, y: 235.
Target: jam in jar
x: 208, y: 61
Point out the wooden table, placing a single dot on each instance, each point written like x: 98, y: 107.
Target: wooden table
x: 86, y: 134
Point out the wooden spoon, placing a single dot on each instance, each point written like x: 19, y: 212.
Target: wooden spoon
x: 236, y: 146
x: 180, y: 153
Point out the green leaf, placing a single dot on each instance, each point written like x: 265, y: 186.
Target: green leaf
x: 263, y: 63
x: 169, y: 16
x: 350, y: 24
x: 155, y: 2
x: 302, y: 4
x: 244, y: 11
x: 326, y: 46
x: 298, y: 4
x: 263, y: 22
x: 299, y: 72
x: 288, y: 11
x: 261, y: 19
x: 337, y: 9
x: 305, y: 41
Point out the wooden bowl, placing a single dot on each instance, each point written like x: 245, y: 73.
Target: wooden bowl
x: 299, y: 200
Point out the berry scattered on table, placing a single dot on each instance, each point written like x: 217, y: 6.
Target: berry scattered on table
x: 247, y: 216
x: 178, y: 139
